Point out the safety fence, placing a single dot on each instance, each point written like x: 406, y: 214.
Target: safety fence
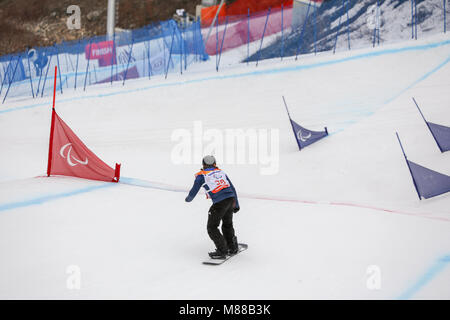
x: 291, y: 28
x: 156, y: 49
x: 315, y: 26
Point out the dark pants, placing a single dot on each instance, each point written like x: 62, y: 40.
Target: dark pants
x: 221, y: 211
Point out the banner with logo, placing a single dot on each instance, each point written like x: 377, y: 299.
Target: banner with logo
x: 69, y: 156
x: 306, y: 137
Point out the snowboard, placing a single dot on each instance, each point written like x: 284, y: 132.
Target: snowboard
x: 216, y: 262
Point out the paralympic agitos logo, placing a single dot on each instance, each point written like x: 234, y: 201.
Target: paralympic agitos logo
x: 71, y: 160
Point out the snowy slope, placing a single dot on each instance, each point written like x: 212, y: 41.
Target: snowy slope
x: 314, y: 227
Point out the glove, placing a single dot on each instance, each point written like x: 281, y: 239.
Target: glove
x: 236, y: 209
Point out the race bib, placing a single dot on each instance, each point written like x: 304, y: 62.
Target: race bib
x: 216, y: 181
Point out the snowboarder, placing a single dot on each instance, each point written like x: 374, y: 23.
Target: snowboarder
x: 225, y: 202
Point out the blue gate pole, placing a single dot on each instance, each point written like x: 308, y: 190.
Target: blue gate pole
x: 76, y: 68
x: 221, y: 47
x: 445, y: 17
x: 31, y: 76
x: 87, y: 66
x: 282, y: 31
x: 129, y: 59
x: 46, y: 73
x: 348, y: 24
x: 300, y: 40
x: 339, y: 27
x: 262, y: 39
x: 248, y: 34
x: 59, y: 68
x: 6, y: 72
x: 170, y: 53
x: 12, y: 80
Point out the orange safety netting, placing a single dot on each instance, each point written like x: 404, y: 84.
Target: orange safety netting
x: 239, y: 8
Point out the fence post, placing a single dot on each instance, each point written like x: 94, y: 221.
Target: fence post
x: 375, y: 28
x: 180, y: 39
x: 185, y: 48
x: 221, y: 47
x: 59, y: 68
x: 339, y: 27
x: 1, y: 76
x: 378, y: 22
x: 348, y: 24
x: 282, y: 31
x: 170, y: 53
x: 129, y: 59
x: 66, y: 55
x: 31, y: 76
x: 149, y: 53
x: 46, y: 73
x: 40, y: 78
x: 113, y: 56
x: 87, y: 66
x: 412, y: 19
x: 6, y: 73
x: 12, y: 80
x: 95, y: 74
x: 76, y: 68
x: 415, y: 17
x: 262, y: 39
x: 248, y: 35
x: 303, y: 29
x: 315, y: 29
x: 217, y: 41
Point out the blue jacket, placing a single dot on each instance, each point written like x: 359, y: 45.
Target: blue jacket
x: 216, y: 195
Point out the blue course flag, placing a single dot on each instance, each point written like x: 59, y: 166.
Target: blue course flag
x: 441, y: 134
x: 306, y: 137
x: 428, y: 182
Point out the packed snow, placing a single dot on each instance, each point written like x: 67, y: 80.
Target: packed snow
x: 337, y: 220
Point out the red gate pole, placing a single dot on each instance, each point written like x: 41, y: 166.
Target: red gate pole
x: 52, y: 128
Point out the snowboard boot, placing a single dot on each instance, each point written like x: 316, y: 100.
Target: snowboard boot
x: 234, y: 246
x: 218, y: 254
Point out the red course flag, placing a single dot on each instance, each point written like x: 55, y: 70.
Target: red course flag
x: 69, y: 156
